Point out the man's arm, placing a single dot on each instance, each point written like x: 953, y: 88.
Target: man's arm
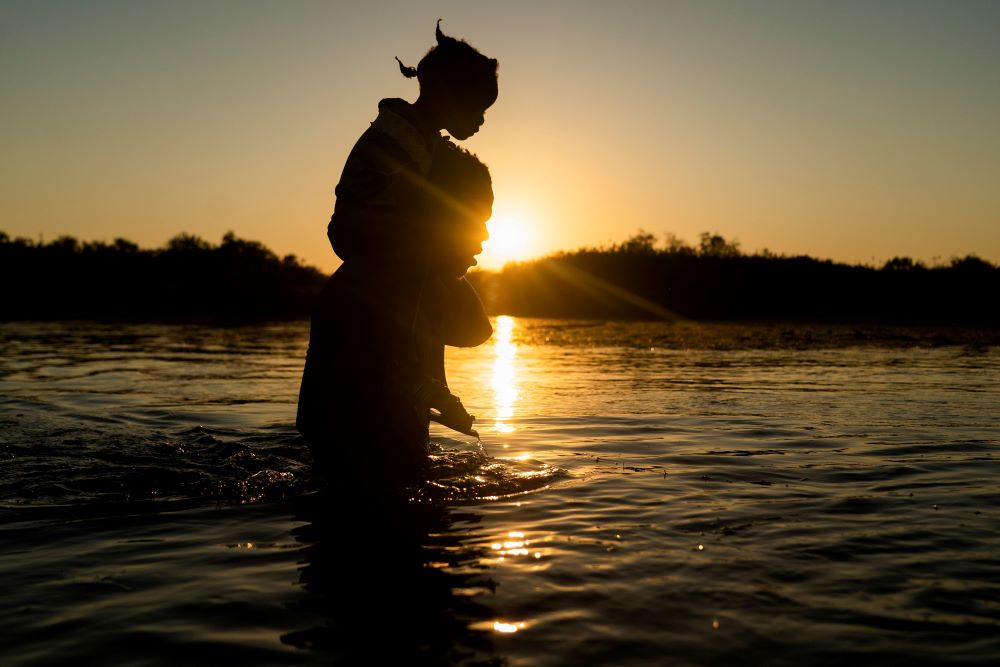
x: 465, y: 321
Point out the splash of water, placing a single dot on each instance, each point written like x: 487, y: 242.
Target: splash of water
x: 462, y: 475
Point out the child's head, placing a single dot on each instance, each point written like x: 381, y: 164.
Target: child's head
x: 458, y: 81
x: 461, y: 201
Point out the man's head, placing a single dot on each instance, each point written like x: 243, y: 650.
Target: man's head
x: 461, y: 201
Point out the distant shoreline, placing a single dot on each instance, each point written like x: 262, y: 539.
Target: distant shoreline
x: 239, y: 281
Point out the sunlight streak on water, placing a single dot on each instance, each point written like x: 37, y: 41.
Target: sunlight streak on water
x: 507, y: 628
x: 504, y: 374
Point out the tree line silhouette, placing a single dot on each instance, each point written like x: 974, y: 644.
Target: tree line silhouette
x: 240, y: 280
x: 715, y: 280
x: 188, y: 279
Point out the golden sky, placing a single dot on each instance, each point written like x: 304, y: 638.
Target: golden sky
x: 855, y: 131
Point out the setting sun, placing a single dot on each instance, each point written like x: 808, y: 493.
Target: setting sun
x: 512, y: 238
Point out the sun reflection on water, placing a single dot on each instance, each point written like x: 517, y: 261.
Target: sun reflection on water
x: 514, y: 543
x: 499, y: 626
x: 504, y: 376
x: 507, y: 628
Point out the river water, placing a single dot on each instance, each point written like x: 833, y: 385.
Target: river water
x: 644, y: 494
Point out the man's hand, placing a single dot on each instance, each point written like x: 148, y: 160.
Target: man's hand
x: 446, y: 408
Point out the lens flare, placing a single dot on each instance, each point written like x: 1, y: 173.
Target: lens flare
x: 512, y: 238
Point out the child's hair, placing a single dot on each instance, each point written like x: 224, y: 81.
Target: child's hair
x: 457, y: 69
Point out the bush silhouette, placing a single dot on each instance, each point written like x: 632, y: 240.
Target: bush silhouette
x: 241, y: 280
x: 187, y: 279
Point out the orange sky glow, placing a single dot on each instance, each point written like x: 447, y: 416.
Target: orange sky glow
x: 850, y: 131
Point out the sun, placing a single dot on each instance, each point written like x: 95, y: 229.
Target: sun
x: 512, y: 238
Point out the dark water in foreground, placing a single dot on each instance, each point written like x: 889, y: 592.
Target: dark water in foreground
x: 646, y: 494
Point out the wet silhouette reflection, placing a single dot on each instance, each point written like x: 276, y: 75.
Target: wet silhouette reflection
x: 393, y: 582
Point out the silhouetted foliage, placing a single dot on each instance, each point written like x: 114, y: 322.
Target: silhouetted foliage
x: 716, y: 281
x: 902, y: 264
x: 188, y: 279
x: 638, y: 278
x: 714, y: 245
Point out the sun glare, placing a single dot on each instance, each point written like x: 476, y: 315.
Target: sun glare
x: 512, y: 238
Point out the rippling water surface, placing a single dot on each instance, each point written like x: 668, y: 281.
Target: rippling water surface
x: 643, y: 494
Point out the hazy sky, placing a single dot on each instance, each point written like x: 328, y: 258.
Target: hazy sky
x: 848, y: 130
